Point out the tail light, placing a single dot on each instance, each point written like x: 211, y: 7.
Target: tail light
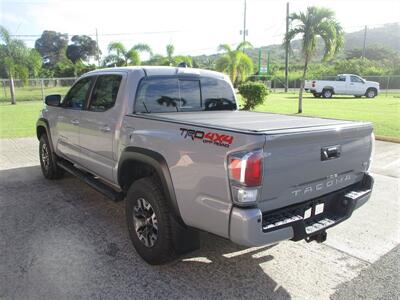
x: 245, y: 175
x: 313, y: 84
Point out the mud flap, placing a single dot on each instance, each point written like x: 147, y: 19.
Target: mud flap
x: 184, y: 239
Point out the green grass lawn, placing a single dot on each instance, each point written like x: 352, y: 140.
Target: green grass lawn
x: 19, y: 120
x: 384, y: 112
x: 31, y: 93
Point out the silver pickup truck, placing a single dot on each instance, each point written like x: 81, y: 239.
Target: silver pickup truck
x: 173, y: 144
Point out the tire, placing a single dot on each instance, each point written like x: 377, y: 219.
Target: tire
x: 327, y: 93
x: 149, y: 223
x: 317, y: 95
x: 371, y: 93
x: 48, y: 164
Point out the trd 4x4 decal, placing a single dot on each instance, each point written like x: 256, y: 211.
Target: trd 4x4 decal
x: 214, y: 138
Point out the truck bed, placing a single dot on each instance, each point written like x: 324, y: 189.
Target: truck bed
x: 254, y: 122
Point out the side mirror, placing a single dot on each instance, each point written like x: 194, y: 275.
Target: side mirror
x: 53, y: 100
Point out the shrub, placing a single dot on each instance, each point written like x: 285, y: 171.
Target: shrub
x: 253, y: 93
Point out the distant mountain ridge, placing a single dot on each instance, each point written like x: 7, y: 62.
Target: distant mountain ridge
x: 387, y: 35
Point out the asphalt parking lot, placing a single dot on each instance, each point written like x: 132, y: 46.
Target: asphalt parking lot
x: 62, y: 240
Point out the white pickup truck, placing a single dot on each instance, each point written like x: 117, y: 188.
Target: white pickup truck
x: 344, y: 84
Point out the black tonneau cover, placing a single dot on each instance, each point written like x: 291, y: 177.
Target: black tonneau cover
x: 253, y: 121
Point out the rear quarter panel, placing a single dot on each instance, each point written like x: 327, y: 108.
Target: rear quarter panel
x: 198, y: 168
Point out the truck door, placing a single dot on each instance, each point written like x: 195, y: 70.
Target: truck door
x: 98, y: 125
x: 340, y: 85
x: 67, y: 120
x: 356, y: 86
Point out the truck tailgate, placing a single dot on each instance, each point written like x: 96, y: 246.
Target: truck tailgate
x: 304, y: 164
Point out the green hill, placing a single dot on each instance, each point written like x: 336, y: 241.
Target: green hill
x: 386, y: 36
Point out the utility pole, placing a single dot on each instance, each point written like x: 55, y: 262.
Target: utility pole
x: 287, y: 50
x: 98, y: 49
x: 244, y: 32
x: 365, y: 42
x: 244, y: 21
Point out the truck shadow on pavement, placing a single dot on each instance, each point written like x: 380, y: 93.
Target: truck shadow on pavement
x: 61, y: 239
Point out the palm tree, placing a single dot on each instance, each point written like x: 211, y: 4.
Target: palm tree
x: 235, y: 62
x: 170, y: 54
x: 315, y: 22
x: 17, y: 60
x: 120, y: 56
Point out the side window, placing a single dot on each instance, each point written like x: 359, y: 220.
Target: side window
x: 158, y: 95
x: 341, y: 78
x: 355, y: 79
x: 189, y: 92
x: 76, y: 96
x: 217, y: 94
x: 105, y: 92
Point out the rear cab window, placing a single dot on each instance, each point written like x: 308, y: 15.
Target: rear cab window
x: 172, y: 94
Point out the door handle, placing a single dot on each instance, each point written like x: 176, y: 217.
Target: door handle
x: 105, y: 128
x: 75, y: 122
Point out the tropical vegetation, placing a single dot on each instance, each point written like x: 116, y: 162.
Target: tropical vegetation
x: 315, y: 22
x: 253, y: 93
x: 16, y: 60
x: 235, y: 62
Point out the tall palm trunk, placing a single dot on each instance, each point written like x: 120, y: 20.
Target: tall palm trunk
x: 12, y: 90
x: 300, y: 110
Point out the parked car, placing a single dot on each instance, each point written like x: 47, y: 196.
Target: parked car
x: 172, y: 143
x: 344, y: 84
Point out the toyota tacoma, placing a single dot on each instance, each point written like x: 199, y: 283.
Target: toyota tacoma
x: 173, y: 143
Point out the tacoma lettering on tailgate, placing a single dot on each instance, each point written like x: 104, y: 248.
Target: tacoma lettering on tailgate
x: 208, y: 137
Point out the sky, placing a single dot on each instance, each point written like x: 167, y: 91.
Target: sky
x: 194, y: 27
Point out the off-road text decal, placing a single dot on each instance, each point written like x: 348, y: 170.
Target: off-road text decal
x: 214, y: 138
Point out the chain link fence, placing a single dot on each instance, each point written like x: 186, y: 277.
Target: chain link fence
x: 388, y: 84
x: 34, y: 89
x: 38, y: 89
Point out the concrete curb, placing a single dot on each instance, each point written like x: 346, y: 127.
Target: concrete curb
x: 387, y: 139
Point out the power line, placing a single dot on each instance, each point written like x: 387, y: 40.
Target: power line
x: 103, y: 34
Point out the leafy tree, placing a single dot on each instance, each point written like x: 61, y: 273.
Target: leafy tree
x: 17, y: 60
x: 235, y: 62
x: 157, y: 60
x: 374, y: 52
x: 82, y: 48
x: 34, y: 63
x: 120, y: 56
x: 170, y: 59
x: 52, y: 46
x: 208, y: 63
x: 316, y: 21
x: 363, y: 67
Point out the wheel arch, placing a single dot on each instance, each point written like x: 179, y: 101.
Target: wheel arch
x: 328, y: 88
x: 42, y: 127
x: 136, y: 163
x: 372, y: 88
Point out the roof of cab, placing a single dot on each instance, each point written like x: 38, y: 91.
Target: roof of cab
x: 162, y: 70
